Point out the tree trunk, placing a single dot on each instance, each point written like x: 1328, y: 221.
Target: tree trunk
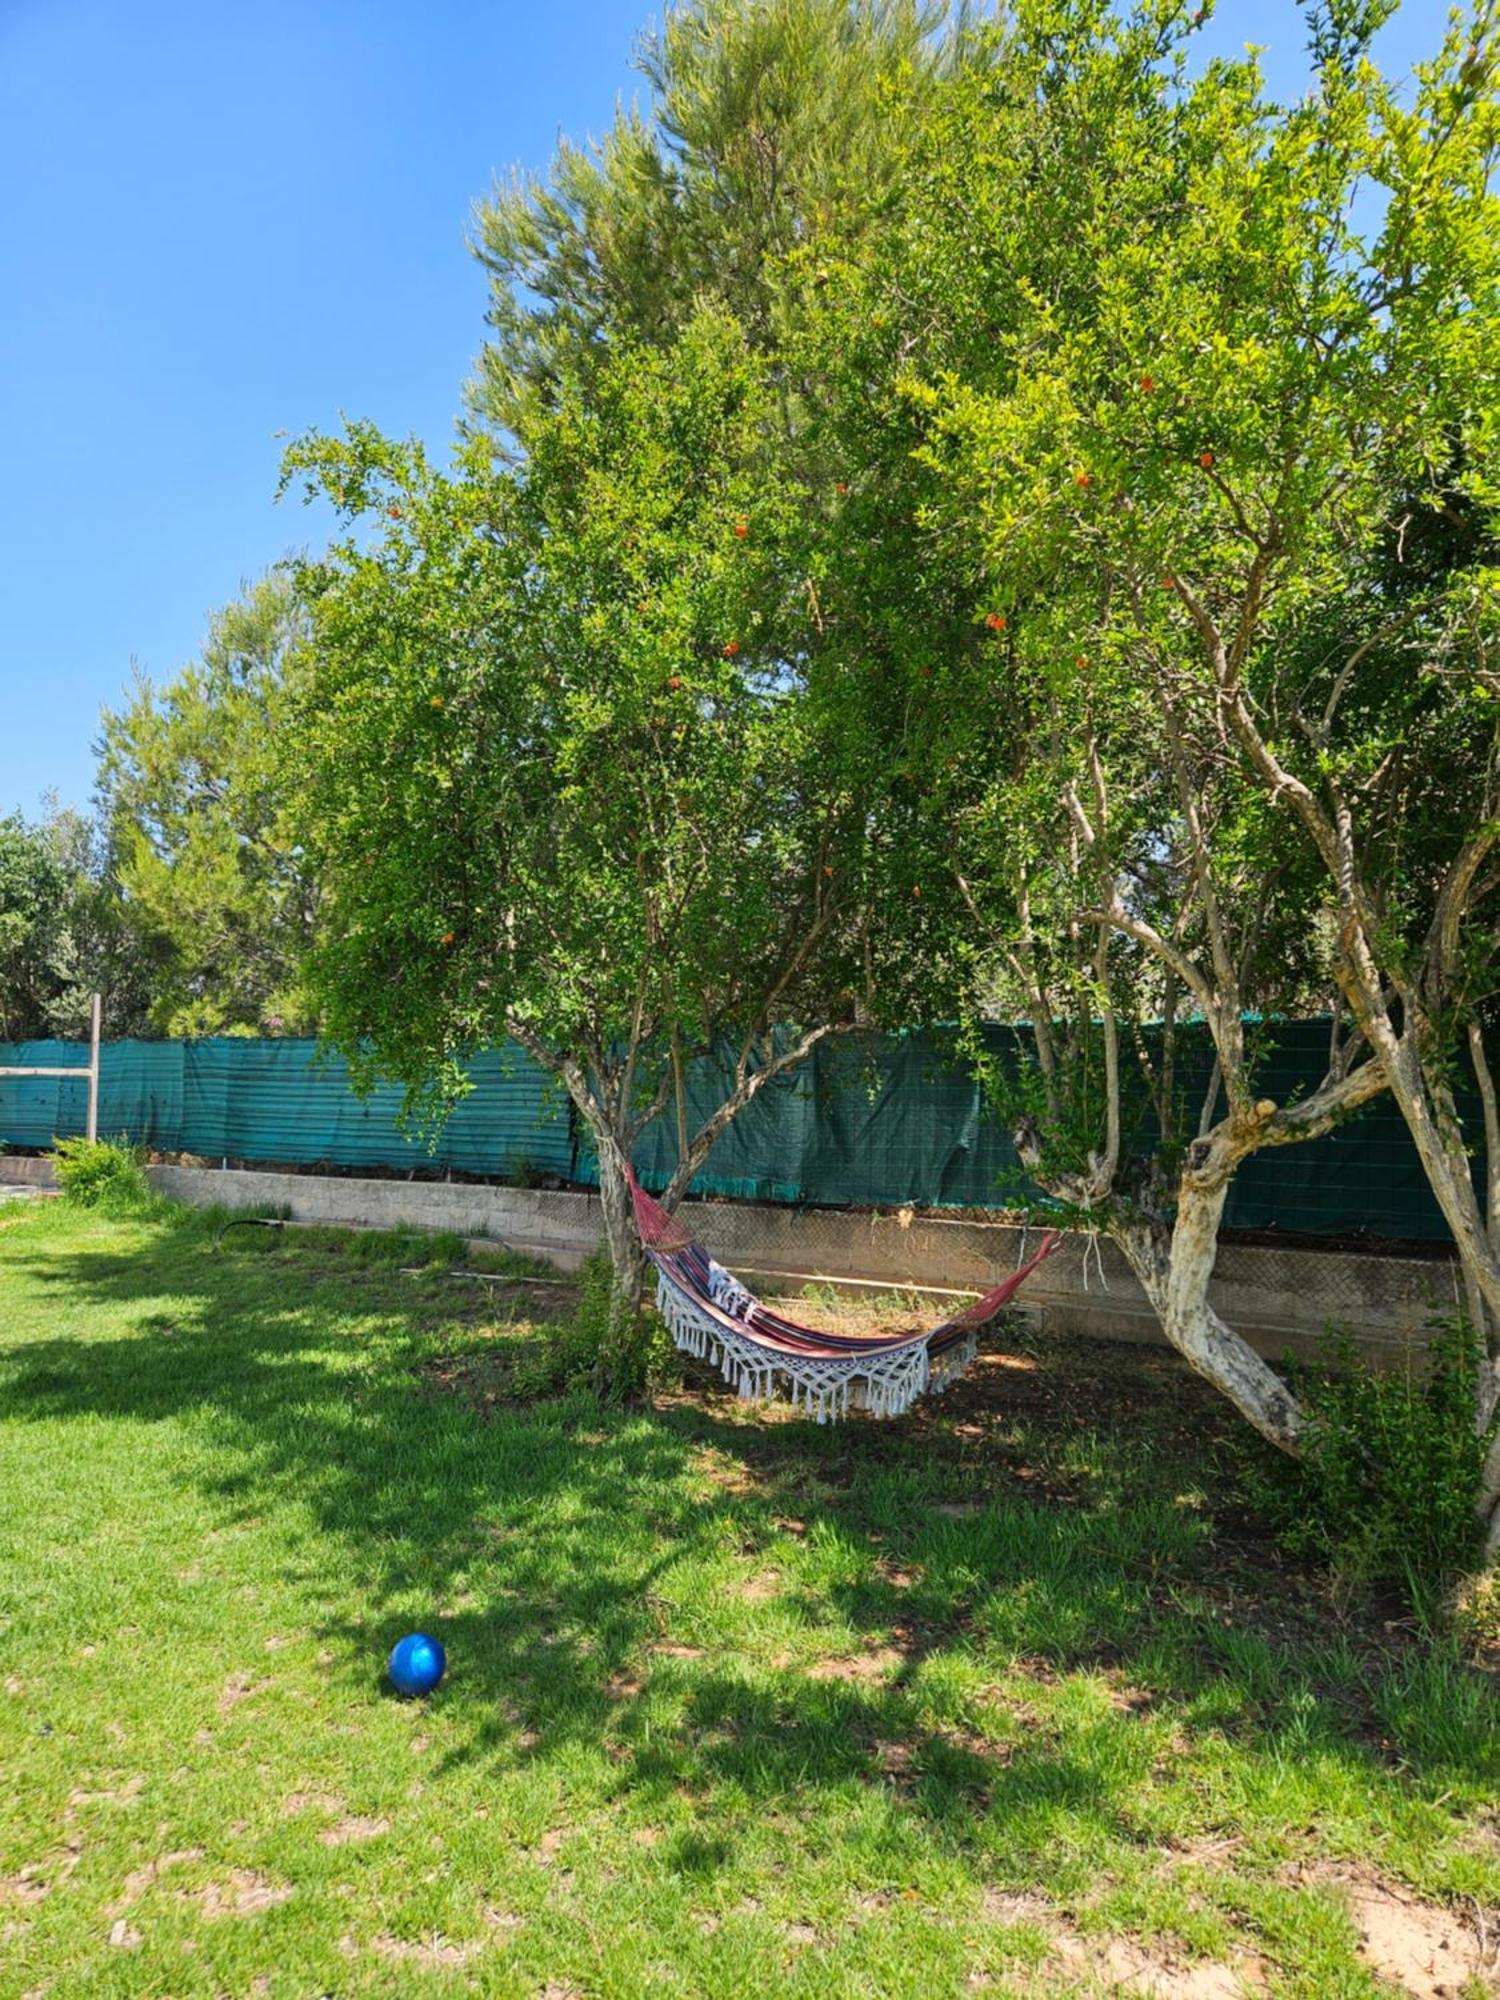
x: 1437, y: 1139
x: 1174, y: 1267
x: 604, y: 1100
x: 1174, y: 1272
x: 617, y: 1370
x: 1487, y: 1502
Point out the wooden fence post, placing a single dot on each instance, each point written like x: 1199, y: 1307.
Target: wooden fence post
x: 93, y: 1130
x: 72, y: 1069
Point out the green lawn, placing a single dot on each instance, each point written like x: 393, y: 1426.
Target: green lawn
x: 1007, y: 1697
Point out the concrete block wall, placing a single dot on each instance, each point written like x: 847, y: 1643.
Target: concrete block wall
x: 1281, y: 1298
x: 563, y: 1228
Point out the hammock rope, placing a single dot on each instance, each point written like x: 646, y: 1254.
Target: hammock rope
x: 712, y: 1316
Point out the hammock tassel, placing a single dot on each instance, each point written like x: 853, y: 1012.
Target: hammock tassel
x: 712, y: 1317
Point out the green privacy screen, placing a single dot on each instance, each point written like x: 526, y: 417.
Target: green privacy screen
x: 877, y: 1120
x: 241, y: 1099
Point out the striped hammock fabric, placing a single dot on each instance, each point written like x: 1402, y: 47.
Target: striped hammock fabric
x: 712, y: 1316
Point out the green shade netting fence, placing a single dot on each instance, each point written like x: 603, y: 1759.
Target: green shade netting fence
x: 245, y: 1099
x: 873, y: 1120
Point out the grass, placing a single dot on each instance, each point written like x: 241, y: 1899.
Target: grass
x: 1006, y: 1697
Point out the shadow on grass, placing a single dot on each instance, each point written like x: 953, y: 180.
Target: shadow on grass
x: 563, y: 1552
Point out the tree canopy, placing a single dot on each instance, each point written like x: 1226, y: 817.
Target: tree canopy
x: 196, y: 816
x: 555, y: 765
x: 65, y: 933
x: 1173, y: 378
x: 767, y: 121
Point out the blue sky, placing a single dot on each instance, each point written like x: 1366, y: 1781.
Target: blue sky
x: 221, y: 222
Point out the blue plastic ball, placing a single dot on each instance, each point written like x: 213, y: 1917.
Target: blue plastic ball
x: 417, y: 1664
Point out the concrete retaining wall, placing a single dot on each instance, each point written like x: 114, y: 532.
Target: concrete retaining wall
x: 1280, y: 1298
x: 563, y: 1228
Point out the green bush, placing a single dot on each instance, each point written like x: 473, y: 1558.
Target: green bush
x: 102, y: 1173
x: 1385, y: 1490
x: 582, y: 1351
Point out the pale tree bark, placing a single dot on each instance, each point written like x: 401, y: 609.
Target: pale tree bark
x: 596, y: 1088
x: 1174, y: 1269
x: 629, y: 1264
x: 1174, y: 1262
x: 1395, y: 1003
x: 605, y: 1093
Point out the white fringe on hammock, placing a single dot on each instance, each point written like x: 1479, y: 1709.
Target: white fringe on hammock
x: 825, y: 1386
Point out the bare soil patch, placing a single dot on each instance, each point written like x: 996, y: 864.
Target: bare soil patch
x: 1426, y: 1949
x: 1095, y: 1963
x: 301, y: 1802
x: 243, y: 1686
x: 871, y: 1666
x: 353, y: 1827
x: 139, y: 1880
x: 246, y: 1893
x: 434, y: 1954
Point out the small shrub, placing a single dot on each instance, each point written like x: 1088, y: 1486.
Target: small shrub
x: 1440, y: 1714
x: 404, y: 1245
x: 588, y: 1349
x: 102, y: 1173
x: 1385, y: 1491
x: 826, y: 1297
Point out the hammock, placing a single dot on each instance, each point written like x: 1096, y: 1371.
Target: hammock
x: 712, y: 1316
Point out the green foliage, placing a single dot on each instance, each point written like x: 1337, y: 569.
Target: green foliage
x: 197, y: 820
x: 31, y: 918
x: 1385, y: 1489
x: 1182, y: 400
x: 1125, y: 358
x: 104, y: 1174
x: 422, y: 1249
x: 109, y: 945
x: 65, y: 932
x: 543, y: 758
x: 620, y: 1355
x: 768, y: 120
x: 773, y: 142
x: 552, y: 760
